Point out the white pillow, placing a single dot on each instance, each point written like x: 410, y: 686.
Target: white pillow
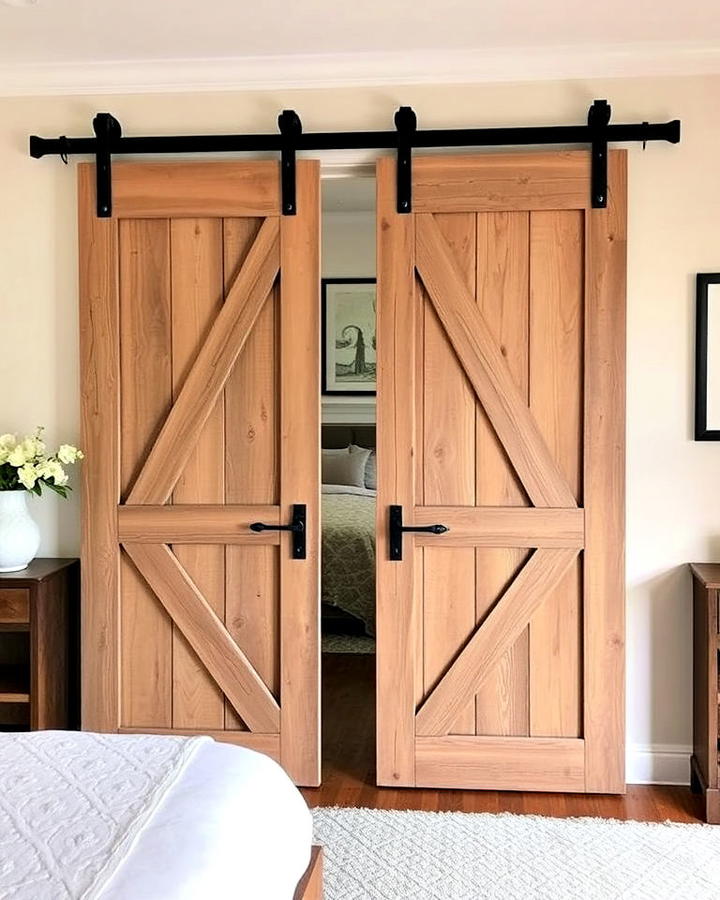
x: 370, y: 467
x: 371, y: 471
x: 345, y: 466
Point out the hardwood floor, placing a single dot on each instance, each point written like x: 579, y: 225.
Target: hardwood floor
x: 349, y: 767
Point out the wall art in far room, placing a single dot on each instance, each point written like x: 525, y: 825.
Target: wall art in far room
x: 349, y: 344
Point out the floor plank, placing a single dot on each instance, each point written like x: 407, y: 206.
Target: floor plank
x: 349, y: 767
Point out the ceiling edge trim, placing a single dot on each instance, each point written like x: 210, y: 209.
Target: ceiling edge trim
x: 358, y: 70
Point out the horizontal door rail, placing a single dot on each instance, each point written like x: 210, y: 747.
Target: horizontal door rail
x: 196, y: 524
x: 506, y: 526
x: 508, y: 763
x: 269, y: 744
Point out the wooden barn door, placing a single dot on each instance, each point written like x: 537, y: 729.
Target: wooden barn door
x: 200, y: 407
x: 501, y: 304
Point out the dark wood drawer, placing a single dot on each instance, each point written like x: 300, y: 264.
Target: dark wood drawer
x: 14, y: 606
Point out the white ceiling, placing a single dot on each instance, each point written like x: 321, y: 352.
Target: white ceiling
x: 93, y: 30
x: 366, y: 37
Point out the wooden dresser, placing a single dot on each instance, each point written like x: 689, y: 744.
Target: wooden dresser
x: 38, y: 646
x: 706, y: 689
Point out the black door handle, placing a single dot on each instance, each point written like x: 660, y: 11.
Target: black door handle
x: 296, y: 526
x: 397, y: 528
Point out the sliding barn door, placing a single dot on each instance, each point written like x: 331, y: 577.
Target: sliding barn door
x: 501, y: 416
x: 200, y: 406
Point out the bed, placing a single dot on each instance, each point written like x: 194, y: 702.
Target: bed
x: 149, y: 817
x: 348, y: 534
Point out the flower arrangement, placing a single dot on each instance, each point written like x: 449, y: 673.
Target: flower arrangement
x: 27, y: 465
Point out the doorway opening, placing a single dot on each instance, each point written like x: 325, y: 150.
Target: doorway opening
x: 349, y: 475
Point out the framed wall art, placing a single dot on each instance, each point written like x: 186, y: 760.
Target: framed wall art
x: 707, y: 357
x: 349, y: 363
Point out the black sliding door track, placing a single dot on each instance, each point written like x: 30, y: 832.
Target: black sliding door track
x: 596, y: 134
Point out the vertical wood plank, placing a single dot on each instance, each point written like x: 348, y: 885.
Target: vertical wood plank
x: 197, y: 295
x: 300, y: 478
x: 396, y: 610
x: 251, y: 474
x: 417, y: 636
x: 448, y: 618
x: 100, y: 472
x: 448, y: 435
x: 502, y: 704
x: 251, y: 415
x: 146, y: 391
x: 556, y: 378
x: 448, y: 440
x: 253, y: 614
x: 604, y: 486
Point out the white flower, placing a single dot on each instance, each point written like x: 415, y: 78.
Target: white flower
x: 7, y: 443
x: 68, y: 454
x: 51, y: 468
x: 32, y: 448
x: 34, y: 465
x: 16, y: 457
x: 56, y: 472
x: 17, y: 454
x: 28, y: 476
x: 42, y: 467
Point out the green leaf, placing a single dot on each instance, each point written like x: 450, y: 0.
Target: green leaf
x: 60, y: 489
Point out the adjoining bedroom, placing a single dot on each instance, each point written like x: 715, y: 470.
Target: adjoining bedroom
x: 359, y: 402
x: 348, y: 470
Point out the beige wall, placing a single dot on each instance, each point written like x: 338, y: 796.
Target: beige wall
x: 348, y: 251
x: 348, y: 244
x: 674, y: 231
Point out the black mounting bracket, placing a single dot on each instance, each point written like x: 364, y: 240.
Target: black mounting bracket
x: 107, y: 130
x: 406, y: 125
x: 297, y: 527
x: 598, y: 121
x: 290, y: 128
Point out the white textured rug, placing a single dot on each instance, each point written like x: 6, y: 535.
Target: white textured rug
x: 387, y: 855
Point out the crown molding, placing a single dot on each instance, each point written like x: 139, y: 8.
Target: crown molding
x: 359, y: 69
x: 348, y: 410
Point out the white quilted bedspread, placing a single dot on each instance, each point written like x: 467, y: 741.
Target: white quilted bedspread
x: 72, y: 805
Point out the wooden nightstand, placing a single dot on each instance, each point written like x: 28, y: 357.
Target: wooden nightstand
x: 39, y: 609
x: 706, y: 690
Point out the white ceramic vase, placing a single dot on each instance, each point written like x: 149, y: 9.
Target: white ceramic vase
x: 19, y: 535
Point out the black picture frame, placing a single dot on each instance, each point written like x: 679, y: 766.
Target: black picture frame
x: 327, y: 390
x: 703, y: 282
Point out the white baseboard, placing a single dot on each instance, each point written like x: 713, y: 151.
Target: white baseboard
x: 658, y: 764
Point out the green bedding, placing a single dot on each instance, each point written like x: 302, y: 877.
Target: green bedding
x: 348, y: 554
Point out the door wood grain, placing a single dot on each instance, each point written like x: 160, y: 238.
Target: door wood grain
x: 200, y: 357
x: 500, y: 415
